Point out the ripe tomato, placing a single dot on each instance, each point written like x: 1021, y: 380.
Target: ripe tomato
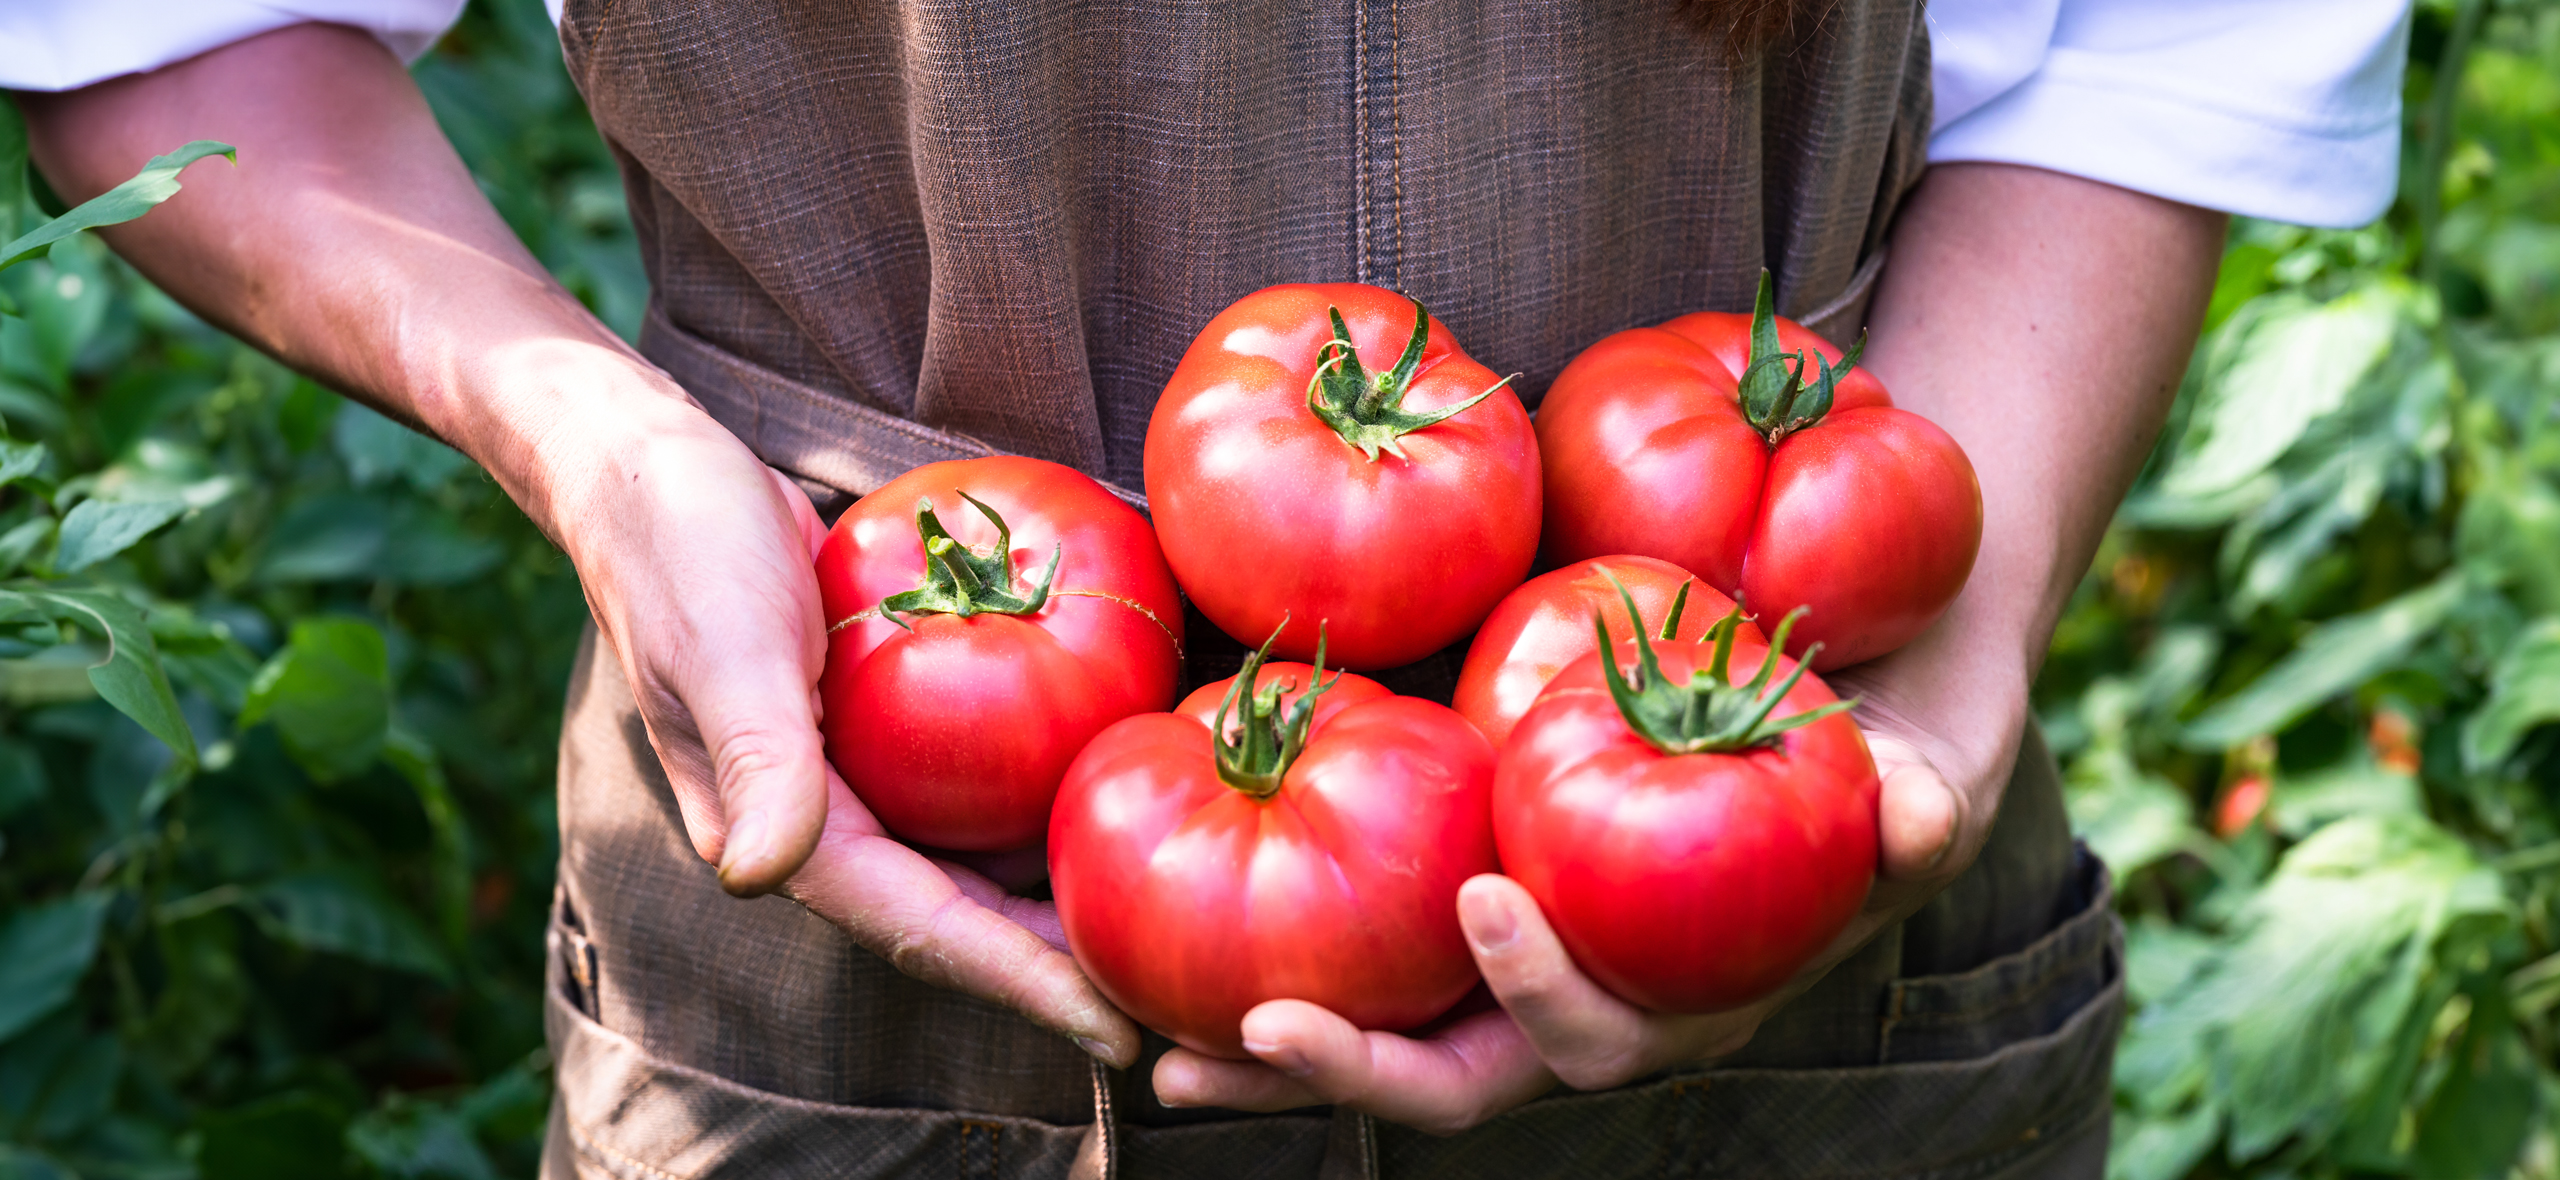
x: 1694, y: 842
x: 1545, y: 625
x: 1394, y: 508
x: 961, y: 676
x: 1780, y: 492
x: 1312, y: 852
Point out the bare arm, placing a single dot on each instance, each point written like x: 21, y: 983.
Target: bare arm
x: 351, y: 243
x: 2044, y: 321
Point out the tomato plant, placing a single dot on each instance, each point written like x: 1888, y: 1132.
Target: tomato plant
x: 1283, y: 837
x: 1399, y: 505
x: 1545, y: 625
x: 1780, y: 492
x: 1693, y: 841
x: 957, y: 689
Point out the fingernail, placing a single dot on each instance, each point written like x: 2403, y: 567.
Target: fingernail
x: 750, y: 843
x: 1488, y: 923
x: 1095, y: 1049
x: 1284, y: 1058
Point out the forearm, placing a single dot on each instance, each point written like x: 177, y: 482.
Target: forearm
x: 353, y: 245
x: 2044, y: 321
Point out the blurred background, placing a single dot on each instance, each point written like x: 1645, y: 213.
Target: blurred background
x: 288, y: 923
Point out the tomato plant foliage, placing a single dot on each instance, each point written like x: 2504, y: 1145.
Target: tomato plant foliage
x: 279, y: 686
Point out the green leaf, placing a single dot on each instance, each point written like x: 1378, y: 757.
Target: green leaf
x: 19, y: 460
x: 346, y: 912
x: 416, y: 761
x: 2278, y: 371
x: 2524, y: 692
x: 44, y: 950
x: 409, y: 1140
x: 2357, y: 786
x: 96, y: 530
x: 2335, y: 658
x: 2474, y: 1126
x: 22, y: 777
x: 376, y: 449
x: 130, y: 678
x: 2156, y: 1148
x: 329, y: 694
x: 19, y: 543
x: 13, y: 168
x: 2131, y: 818
x: 2301, y: 1015
x: 157, y: 182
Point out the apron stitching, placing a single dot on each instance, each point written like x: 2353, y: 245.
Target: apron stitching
x: 1360, y: 137
x: 1395, y: 133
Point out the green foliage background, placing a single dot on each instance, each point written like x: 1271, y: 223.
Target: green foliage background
x: 283, y: 919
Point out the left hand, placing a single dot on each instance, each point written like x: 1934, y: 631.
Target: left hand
x: 1942, y: 770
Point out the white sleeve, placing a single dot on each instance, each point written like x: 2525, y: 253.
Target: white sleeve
x: 63, y: 44
x: 2282, y: 109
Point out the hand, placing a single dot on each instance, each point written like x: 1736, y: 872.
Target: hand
x: 696, y: 559
x: 1942, y: 772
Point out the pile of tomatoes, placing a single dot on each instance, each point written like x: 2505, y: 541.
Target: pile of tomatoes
x: 1332, y: 478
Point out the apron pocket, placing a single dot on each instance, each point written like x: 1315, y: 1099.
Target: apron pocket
x: 2014, y: 997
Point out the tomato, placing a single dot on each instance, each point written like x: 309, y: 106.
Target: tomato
x: 958, y: 686
x: 1290, y: 482
x: 1314, y: 853
x: 1694, y: 842
x: 1545, y: 625
x: 1777, y: 491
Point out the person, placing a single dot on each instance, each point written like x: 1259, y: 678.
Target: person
x: 879, y: 235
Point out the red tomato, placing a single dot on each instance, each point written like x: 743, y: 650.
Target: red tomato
x: 952, y: 712
x: 1315, y: 854
x: 1545, y: 625
x: 1779, y: 492
x: 1289, y: 481
x: 1692, y: 848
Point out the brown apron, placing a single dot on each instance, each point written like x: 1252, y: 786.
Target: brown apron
x: 881, y: 234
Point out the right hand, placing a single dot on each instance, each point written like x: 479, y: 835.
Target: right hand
x: 696, y: 562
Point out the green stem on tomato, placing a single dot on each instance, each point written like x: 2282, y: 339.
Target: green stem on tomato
x: 1367, y: 410
x: 1775, y: 399
x: 1707, y: 714
x: 959, y: 581
x: 1269, y: 738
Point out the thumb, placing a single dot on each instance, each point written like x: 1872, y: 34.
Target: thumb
x: 1919, y: 814
x: 769, y: 770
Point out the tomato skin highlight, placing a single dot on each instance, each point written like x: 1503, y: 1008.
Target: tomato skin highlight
x: 1187, y: 902
x: 1265, y: 513
x: 955, y: 731
x: 1693, y: 882
x: 1872, y: 516
x: 1542, y: 627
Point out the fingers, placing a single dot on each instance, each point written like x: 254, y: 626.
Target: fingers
x: 1465, y: 1073
x: 1918, y: 814
x: 910, y: 911
x: 1591, y: 1039
x: 804, y: 515
x: 768, y: 769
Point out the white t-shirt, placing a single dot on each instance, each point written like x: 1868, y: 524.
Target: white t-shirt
x: 2282, y: 109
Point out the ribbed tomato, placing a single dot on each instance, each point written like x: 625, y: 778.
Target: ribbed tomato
x: 1290, y: 482
x: 1266, y: 843
x: 961, y: 675
x: 1694, y: 842
x: 1784, y: 480
x: 1545, y: 625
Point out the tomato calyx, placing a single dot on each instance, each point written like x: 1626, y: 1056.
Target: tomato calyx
x: 1775, y: 399
x: 1268, y: 738
x: 1709, y: 714
x: 960, y: 581
x: 1367, y: 409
